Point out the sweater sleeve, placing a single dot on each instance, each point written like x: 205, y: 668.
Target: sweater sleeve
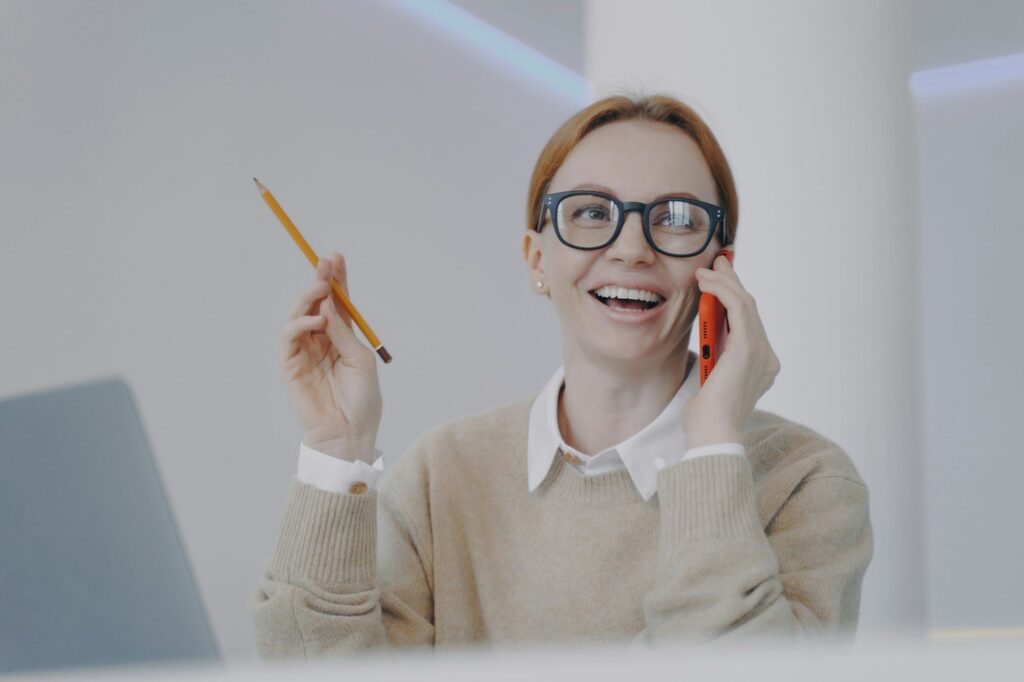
x: 720, y: 576
x: 321, y: 594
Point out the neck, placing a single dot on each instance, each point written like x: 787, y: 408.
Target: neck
x: 598, y: 409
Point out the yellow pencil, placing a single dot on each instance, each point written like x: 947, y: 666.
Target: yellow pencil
x: 311, y: 255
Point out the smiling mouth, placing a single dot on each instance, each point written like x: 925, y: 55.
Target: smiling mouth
x: 627, y: 304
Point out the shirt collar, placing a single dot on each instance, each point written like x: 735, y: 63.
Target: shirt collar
x: 663, y: 435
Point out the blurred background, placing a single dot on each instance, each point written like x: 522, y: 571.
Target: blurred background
x: 877, y: 155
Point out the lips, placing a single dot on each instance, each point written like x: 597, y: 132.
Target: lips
x: 626, y: 285
x: 632, y: 298
x: 638, y: 316
x: 626, y: 304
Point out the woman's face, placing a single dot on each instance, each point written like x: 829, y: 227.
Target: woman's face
x: 632, y: 161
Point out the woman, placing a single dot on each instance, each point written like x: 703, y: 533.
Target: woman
x: 618, y: 503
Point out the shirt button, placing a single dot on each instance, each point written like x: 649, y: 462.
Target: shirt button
x: 357, y: 488
x: 571, y: 458
x: 659, y: 463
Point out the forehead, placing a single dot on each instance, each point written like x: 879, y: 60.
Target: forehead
x: 638, y: 160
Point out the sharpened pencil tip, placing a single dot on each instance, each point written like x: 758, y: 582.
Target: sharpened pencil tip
x: 259, y: 186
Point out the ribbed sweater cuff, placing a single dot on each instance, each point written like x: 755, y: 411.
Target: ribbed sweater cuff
x: 327, y: 538
x: 707, y: 497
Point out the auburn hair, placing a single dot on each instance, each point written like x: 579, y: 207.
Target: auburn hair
x: 657, y: 108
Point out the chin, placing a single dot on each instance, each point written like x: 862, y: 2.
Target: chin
x: 622, y: 351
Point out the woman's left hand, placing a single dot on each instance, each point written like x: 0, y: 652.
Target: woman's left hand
x: 745, y: 368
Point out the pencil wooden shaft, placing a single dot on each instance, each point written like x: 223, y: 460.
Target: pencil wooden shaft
x: 315, y: 260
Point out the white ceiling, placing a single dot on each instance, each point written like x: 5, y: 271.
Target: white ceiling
x: 945, y: 31
x: 554, y: 27
x: 956, y: 31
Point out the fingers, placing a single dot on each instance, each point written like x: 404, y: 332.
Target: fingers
x: 352, y: 350
x: 333, y: 266
x: 323, y: 270
x: 723, y: 272
x: 340, y: 273
x: 293, y: 331
x: 307, y: 302
x: 739, y: 304
x: 722, y: 266
x: 318, y: 310
x: 723, y: 283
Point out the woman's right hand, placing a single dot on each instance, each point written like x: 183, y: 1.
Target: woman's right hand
x: 331, y: 374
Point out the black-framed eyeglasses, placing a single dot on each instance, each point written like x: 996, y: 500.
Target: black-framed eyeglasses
x: 674, y: 226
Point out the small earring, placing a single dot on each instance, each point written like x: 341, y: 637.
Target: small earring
x: 540, y: 284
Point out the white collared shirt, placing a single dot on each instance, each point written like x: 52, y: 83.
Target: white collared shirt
x: 659, y: 444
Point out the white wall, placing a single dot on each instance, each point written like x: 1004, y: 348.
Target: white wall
x: 134, y: 242
x: 968, y: 87
x: 810, y: 102
x: 971, y: 165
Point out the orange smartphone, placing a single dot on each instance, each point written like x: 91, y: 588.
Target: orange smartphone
x: 712, y: 323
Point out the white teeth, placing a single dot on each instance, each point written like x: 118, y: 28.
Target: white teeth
x: 609, y: 291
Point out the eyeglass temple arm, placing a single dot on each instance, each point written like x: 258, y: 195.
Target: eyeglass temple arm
x: 540, y: 218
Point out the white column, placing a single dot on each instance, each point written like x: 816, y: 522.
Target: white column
x: 811, y: 104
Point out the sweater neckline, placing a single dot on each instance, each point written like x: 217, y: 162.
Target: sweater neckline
x: 600, y: 490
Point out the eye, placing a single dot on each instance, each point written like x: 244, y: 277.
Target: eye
x: 591, y: 212
x: 680, y: 216
x: 672, y: 219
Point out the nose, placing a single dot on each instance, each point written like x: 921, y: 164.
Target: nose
x: 631, y: 246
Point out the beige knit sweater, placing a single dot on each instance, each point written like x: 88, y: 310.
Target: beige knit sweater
x: 452, y: 550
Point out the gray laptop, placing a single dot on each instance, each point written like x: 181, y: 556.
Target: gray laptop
x: 92, y: 569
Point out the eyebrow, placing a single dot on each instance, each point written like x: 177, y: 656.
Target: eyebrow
x: 602, y: 188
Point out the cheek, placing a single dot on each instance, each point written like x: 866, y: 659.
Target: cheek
x: 687, y: 282
x: 569, y: 271
x: 689, y: 297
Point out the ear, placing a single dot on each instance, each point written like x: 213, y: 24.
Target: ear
x: 532, y: 254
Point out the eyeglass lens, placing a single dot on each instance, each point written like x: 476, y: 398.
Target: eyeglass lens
x: 677, y: 227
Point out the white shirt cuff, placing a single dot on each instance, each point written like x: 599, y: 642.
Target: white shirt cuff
x: 337, y: 475
x: 716, y: 449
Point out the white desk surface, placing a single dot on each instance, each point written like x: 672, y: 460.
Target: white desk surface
x: 889, y: 658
